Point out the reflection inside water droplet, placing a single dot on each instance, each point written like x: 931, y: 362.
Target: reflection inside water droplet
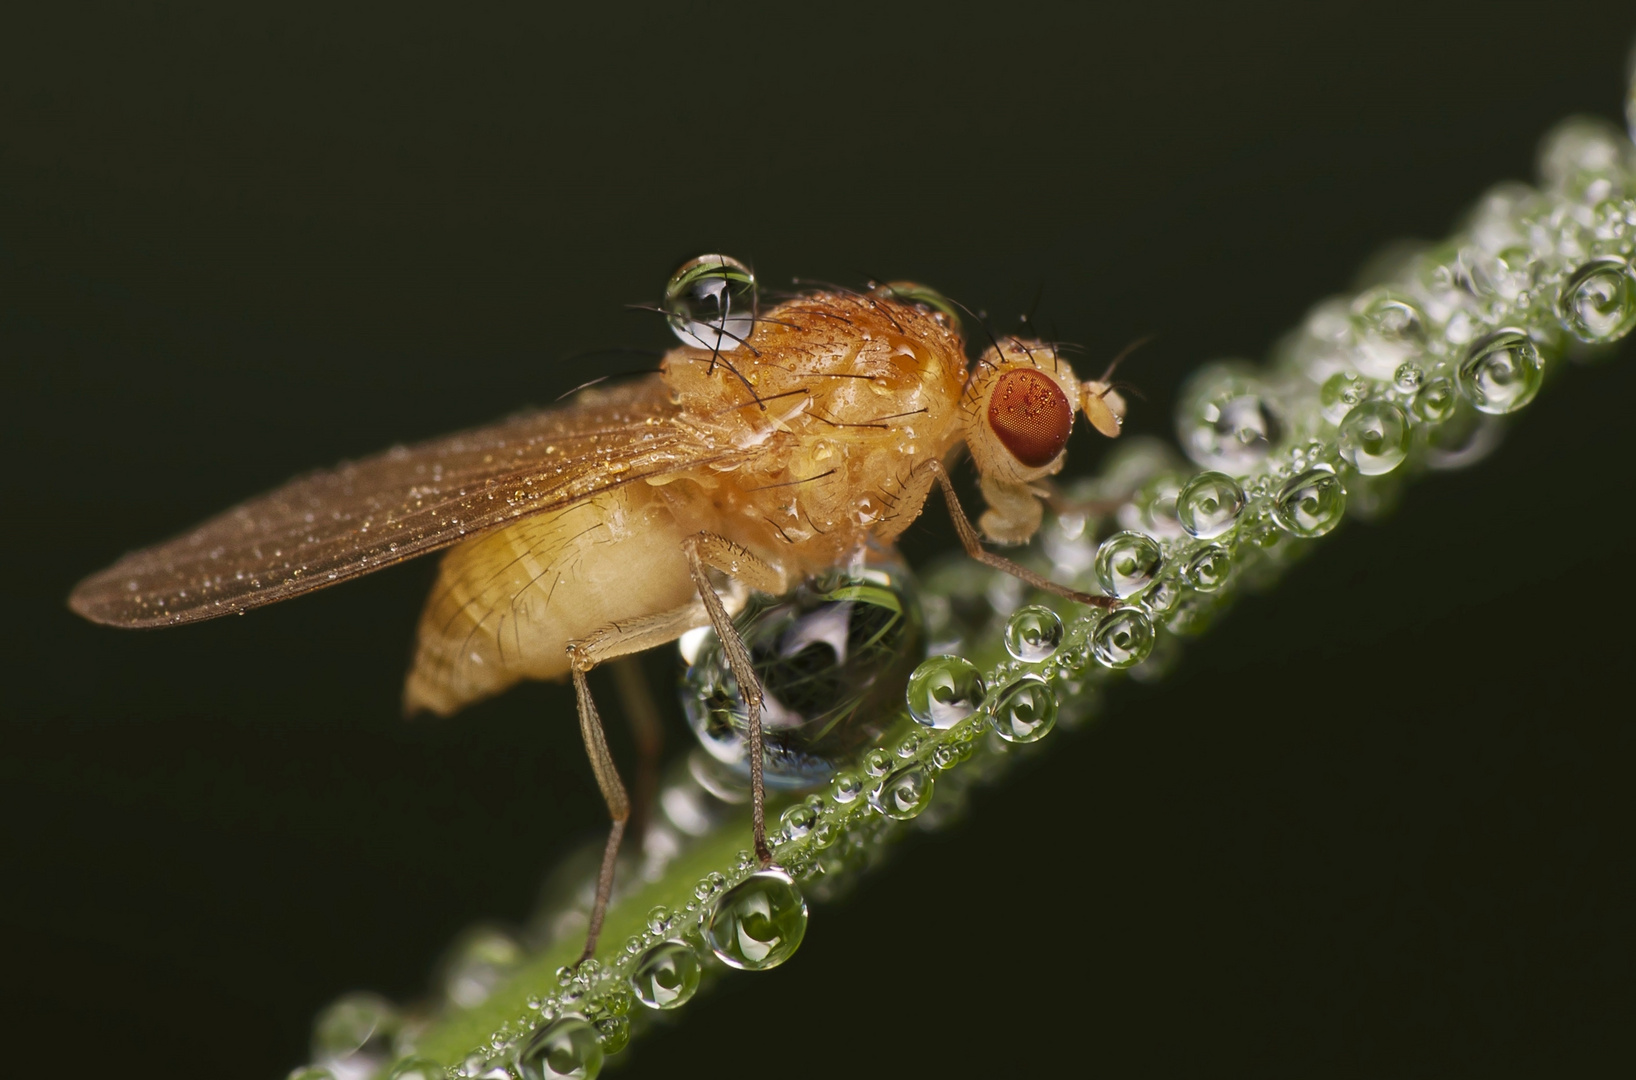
x: 711, y: 303
x: 904, y: 794
x: 566, y: 1049
x: 1502, y: 373
x: 666, y: 976
x: 1311, y: 503
x: 1123, y: 638
x: 944, y: 690
x: 1033, y: 634
x: 1374, y: 437
x: 758, y: 923
x: 1209, y: 504
x: 1599, y: 301
x: 1126, y: 562
x: 1025, y: 711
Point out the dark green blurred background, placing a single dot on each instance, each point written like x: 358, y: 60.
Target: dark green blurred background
x: 1378, y: 822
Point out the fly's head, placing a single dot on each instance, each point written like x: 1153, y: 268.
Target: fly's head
x: 1019, y: 409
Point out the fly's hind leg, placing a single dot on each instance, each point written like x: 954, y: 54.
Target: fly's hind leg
x: 636, y: 698
x: 707, y: 550
x: 615, y: 640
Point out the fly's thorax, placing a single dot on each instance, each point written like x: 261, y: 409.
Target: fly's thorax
x: 838, y: 397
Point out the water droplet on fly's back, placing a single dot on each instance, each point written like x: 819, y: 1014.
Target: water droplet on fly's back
x: 1033, y: 634
x: 904, y: 794
x: 828, y: 655
x: 944, y: 690
x: 1025, y: 711
x: 667, y: 975
x: 1501, y: 373
x: 912, y: 292
x: 711, y: 302
x: 1311, y: 503
x: 758, y: 923
x: 1599, y: 301
x: 1126, y: 562
x: 1209, y: 504
x: 566, y: 1049
x: 1374, y: 437
x: 1123, y: 638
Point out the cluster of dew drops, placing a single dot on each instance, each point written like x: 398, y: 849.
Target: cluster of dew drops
x: 1410, y: 374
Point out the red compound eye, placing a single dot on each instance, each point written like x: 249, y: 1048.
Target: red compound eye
x: 1031, y: 415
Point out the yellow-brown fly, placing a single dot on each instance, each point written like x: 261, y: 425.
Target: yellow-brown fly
x: 772, y: 445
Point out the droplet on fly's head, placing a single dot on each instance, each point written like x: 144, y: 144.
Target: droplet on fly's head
x: 1208, y: 567
x: 1435, y: 402
x: 1025, y: 711
x: 904, y: 794
x: 1123, y: 638
x: 1033, y: 633
x: 1501, y: 372
x: 1209, y: 504
x: 565, y: 1049
x: 1126, y: 562
x: 758, y: 923
x: 944, y: 690
x: 667, y: 975
x: 711, y: 302
x: 1311, y: 503
x: 1374, y: 437
x: 1599, y: 301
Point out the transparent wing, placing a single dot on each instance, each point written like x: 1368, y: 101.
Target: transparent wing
x: 324, y: 528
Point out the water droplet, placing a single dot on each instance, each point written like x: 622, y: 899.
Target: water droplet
x: 904, y: 794
x: 666, y: 976
x: 1126, y: 562
x: 476, y: 963
x: 798, y: 821
x: 1161, y: 596
x: 944, y: 690
x: 357, y: 1029
x: 615, y: 1033
x: 1408, y: 377
x: 912, y: 292
x: 828, y: 654
x: 1340, y: 393
x: 845, y: 787
x: 1208, y: 568
x: 417, y: 1068
x: 1435, y: 402
x: 566, y: 1049
x: 1123, y: 638
x: 1501, y: 374
x: 1025, y: 711
x: 1388, y: 329
x: 1033, y: 634
x: 758, y: 923
x: 1226, y: 422
x: 1310, y: 503
x: 1375, y: 437
x: 711, y: 302
x: 1209, y: 504
x: 1599, y: 301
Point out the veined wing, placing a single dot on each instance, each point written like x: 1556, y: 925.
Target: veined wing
x: 329, y: 526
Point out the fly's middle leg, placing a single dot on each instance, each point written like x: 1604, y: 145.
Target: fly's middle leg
x: 707, y: 550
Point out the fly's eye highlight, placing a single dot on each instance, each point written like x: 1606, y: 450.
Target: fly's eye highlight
x: 711, y: 302
x: 1031, y: 416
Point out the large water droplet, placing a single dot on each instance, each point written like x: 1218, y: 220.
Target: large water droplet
x: 944, y: 690
x: 758, y: 923
x: 1310, y: 503
x: 666, y: 976
x: 1501, y: 373
x: 566, y: 1049
x: 1599, y: 301
x: 1389, y: 329
x: 711, y: 302
x: 1126, y: 562
x: 1123, y: 638
x: 912, y: 292
x: 831, y: 655
x: 1208, y: 567
x: 1209, y: 504
x: 1374, y: 437
x: 1226, y: 421
x: 1033, y: 634
x: 904, y: 794
x: 1025, y: 711
x: 1435, y: 402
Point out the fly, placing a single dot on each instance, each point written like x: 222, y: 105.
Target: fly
x: 769, y: 447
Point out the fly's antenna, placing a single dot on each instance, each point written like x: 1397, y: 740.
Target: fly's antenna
x: 982, y: 321
x: 1123, y: 353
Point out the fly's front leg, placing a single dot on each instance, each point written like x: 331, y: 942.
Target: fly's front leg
x: 973, y: 543
x: 616, y: 639
x: 707, y: 550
